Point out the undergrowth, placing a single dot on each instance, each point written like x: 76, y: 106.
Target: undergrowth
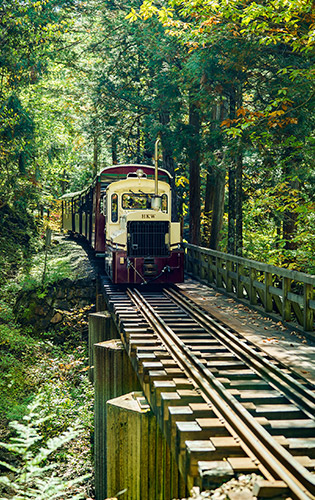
x: 33, y: 363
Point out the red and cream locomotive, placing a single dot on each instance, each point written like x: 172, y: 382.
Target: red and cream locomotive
x: 125, y: 214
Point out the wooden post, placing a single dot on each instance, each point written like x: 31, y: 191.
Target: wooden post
x: 135, y: 450
x: 100, y: 302
x: 188, y: 260
x: 101, y: 328
x: 307, y: 311
x: 229, y: 287
x: 195, y: 260
x: 239, y: 284
x: 218, y: 272
x: 210, y: 275
x: 202, y: 265
x: 286, y: 304
x: 114, y: 376
x: 252, y: 289
x: 268, y: 296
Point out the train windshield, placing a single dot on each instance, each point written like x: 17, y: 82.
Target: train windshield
x: 140, y: 201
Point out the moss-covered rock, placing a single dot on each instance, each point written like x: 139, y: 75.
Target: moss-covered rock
x: 69, y: 285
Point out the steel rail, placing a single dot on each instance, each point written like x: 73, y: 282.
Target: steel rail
x: 272, y: 456
x: 304, y: 398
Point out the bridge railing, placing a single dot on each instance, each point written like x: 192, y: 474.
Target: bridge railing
x: 276, y: 290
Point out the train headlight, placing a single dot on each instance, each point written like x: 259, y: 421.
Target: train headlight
x: 140, y: 173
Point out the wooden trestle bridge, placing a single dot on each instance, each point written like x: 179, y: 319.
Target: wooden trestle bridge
x: 182, y: 399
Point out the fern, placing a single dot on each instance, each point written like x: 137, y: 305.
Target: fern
x: 34, y: 477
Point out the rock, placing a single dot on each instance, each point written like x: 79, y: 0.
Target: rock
x: 57, y: 318
x: 45, y: 307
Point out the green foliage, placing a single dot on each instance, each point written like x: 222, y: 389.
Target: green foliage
x: 18, y: 350
x: 18, y: 239
x: 66, y: 398
x: 87, y: 84
x: 34, y: 476
x: 263, y: 216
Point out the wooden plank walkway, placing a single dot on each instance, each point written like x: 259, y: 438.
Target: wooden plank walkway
x: 291, y: 347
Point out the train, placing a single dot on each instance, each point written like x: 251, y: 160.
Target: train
x: 126, y: 216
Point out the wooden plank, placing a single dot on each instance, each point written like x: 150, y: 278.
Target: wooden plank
x: 214, y: 473
x: 311, y: 304
x: 216, y: 448
x: 228, y: 280
x: 295, y: 298
x: 300, y: 446
x: 298, y: 313
x: 218, y: 272
x: 258, y: 285
x: 239, y: 284
x: 286, y: 308
x: 245, y: 279
x: 278, y: 304
x: 252, y: 291
x: 270, y: 489
x: 268, y: 296
x: 308, y: 314
x: 278, y: 292
x: 243, y: 464
x: 292, y: 428
x: 195, y: 451
x: 101, y: 328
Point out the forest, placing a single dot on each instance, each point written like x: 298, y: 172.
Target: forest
x: 229, y: 89
x: 228, y: 86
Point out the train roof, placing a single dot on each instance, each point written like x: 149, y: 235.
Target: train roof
x: 71, y: 195
x: 120, y: 172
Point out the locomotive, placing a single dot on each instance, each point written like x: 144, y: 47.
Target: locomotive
x: 125, y: 214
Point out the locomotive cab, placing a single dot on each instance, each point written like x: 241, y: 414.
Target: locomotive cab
x: 142, y: 244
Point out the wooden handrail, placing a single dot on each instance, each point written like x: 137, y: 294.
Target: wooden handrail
x: 286, y: 292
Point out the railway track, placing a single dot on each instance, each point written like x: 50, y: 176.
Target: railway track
x: 225, y: 406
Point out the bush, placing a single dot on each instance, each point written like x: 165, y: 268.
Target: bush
x: 34, y: 475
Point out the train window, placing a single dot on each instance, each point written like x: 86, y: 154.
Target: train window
x: 164, y: 203
x: 114, y: 207
x: 136, y: 201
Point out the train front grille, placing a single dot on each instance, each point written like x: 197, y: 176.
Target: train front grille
x: 147, y: 239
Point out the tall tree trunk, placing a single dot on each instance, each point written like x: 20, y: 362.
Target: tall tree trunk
x: 168, y: 160
x: 235, y: 215
x: 209, y: 195
x: 208, y: 208
x: 194, y: 174
x: 239, y: 202
x: 219, y: 114
x: 290, y: 222
x: 218, y: 208
x: 231, y: 201
x: 231, y: 209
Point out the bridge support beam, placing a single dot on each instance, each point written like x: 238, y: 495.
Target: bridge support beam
x: 113, y: 376
x: 101, y: 328
x: 138, y: 457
